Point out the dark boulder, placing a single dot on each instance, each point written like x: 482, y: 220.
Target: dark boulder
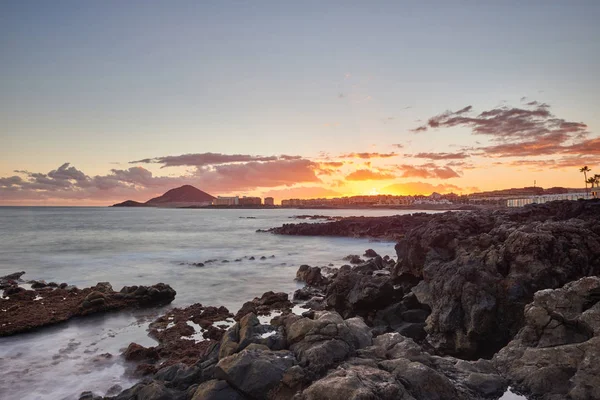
x: 255, y: 372
x: 370, y: 253
x: 351, y: 293
x: 216, y: 390
x: 356, y: 382
x: 136, y: 352
x: 554, y: 355
x: 354, y: 259
x: 311, y: 276
x: 265, y: 304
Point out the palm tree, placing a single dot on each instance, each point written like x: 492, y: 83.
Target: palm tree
x: 591, y: 180
x: 585, y: 170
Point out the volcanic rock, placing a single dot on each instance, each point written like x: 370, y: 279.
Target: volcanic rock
x: 265, y: 304
x: 554, y: 355
x: 479, y: 269
x: 32, y: 309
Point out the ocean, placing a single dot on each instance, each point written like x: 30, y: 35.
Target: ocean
x: 143, y: 246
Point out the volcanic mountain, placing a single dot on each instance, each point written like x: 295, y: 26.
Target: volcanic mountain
x: 179, y: 197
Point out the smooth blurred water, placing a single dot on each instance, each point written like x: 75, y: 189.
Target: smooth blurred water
x: 143, y: 246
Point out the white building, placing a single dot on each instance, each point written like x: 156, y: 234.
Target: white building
x: 226, y: 201
x: 546, y: 198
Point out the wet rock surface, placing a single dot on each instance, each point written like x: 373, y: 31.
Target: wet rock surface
x: 184, y: 336
x: 24, y: 310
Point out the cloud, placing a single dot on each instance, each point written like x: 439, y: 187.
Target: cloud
x: 66, y: 172
x: 547, y: 145
x: 368, y: 155
x: 205, y: 159
x: 367, y: 174
x: 138, y: 183
x: 428, y: 170
x: 520, y: 132
x: 558, y: 163
x: 509, y: 124
x: 398, y: 145
x: 423, y: 188
x: 332, y: 164
x: 441, y: 156
x: 461, y: 164
x: 252, y: 175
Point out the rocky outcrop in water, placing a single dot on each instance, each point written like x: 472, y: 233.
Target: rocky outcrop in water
x: 24, y: 310
x: 386, y: 228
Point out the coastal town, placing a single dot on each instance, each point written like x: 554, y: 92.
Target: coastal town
x: 515, y: 197
x: 188, y: 196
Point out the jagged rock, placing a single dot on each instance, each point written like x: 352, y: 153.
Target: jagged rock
x: 352, y: 294
x: 555, y: 354
x: 136, y: 352
x: 147, y: 391
x: 307, y: 293
x: 250, y: 331
x: 431, y: 377
x: 114, y: 390
x: 254, y: 372
x: 354, y: 259
x: 15, y: 276
x: 326, y: 340
x: 311, y: 275
x: 154, y: 391
x: 216, y: 390
x: 356, y: 382
x: 178, y: 333
x: 479, y: 269
x: 89, y: 396
x: 370, y: 253
x: 264, y: 305
x: 406, y: 317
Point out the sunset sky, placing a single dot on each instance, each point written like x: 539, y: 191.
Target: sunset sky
x: 103, y: 101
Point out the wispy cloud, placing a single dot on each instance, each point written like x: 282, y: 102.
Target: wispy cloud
x: 367, y: 175
x: 368, y: 155
x: 204, y: 159
x: 428, y: 170
x: 519, y: 132
x: 510, y: 124
x: 440, y: 156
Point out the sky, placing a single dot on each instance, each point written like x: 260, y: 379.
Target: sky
x: 103, y: 101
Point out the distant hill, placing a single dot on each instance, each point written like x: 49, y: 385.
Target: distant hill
x: 130, y: 203
x: 183, y: 196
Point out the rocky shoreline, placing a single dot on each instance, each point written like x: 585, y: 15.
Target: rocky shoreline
x: 26, y: 306
x: 475, y: 302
